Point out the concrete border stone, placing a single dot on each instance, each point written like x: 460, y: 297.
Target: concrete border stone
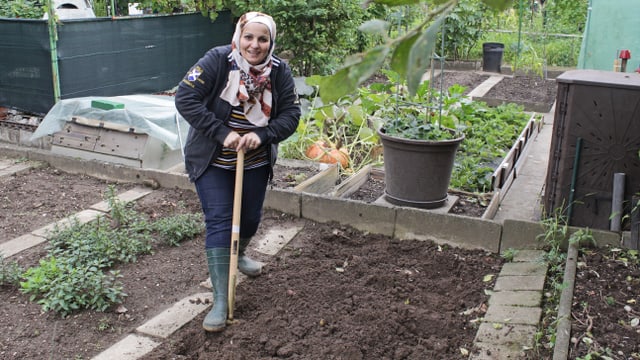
x: 377, y: 219
x: 130, y: 348
x: 466, y: 232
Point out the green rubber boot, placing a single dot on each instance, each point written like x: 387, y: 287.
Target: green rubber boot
x: 218, y: 261
x: 247, y: 265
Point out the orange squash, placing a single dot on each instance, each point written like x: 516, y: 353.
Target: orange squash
x: 320, y: 151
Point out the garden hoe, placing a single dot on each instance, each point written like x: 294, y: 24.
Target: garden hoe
x: 235, y: 235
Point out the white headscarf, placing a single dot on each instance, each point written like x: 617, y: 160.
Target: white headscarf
x: 250, y: 85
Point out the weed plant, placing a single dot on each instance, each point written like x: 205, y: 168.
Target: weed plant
x: 78, y: 271
x: 10, y: 272
x: 555, y: 238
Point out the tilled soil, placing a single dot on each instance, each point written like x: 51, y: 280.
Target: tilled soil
x: 526, y: 89
x: 606, y: 305
x: 34, y: 198
x: 335, y: 293
x: 331, y: 291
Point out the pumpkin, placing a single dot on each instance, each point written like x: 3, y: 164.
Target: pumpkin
x: 324, y: 153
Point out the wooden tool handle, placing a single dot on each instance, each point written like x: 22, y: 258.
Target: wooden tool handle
x: 235, y: 234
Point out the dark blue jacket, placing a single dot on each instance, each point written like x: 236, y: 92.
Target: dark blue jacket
x: 198, y: 101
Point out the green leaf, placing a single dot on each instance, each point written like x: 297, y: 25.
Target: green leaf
x: 347, y: 79
x: 335, y: 86
x: 375, y: 27
x: 400, y: 57
x: 421, y: 52
x: 498, y: 4
x: 397, y: 2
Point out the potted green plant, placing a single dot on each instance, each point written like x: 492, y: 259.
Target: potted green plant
x: 420, y: 137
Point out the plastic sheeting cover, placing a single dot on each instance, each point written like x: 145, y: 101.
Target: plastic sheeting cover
x: 155, y: 115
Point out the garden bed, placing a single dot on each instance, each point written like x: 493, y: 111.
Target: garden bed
x: 34, y: 198
x: 320, y: 297
x: 533, y: 93
x: 605, y: 313
x: 336, y: 293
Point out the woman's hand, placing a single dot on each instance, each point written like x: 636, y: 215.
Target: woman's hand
x: 249, y: 141
x: 232, y: 140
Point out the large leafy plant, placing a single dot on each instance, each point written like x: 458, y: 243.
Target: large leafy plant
x: 409, y: 54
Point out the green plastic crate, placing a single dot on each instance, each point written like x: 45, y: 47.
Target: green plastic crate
x: 106, y: 105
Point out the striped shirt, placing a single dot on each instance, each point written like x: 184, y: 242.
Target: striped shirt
x: 252, y: 158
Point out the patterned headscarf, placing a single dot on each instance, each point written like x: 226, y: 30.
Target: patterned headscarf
x: 250, y: 85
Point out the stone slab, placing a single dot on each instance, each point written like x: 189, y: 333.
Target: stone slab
x: 521, y: 235
x: 506, y: 334
x: 20, y: 244
x: 5, y: 163
x: 11, y: 168
x: 378, y: 219
x: 81, y: 217
x: 130, y: 348
x: 127, y: 196
x: 507, y: 314
x: 283, y: 200
x: 445, y: 209
x: 506, y: 283
x: 529, y: 256
x: 459, y: 231
x: 496, y: 352
x: 275, y: 238
x: 485, y: 86
x: 172, y: 319
x: 516, y: 298
x: 524, y: 269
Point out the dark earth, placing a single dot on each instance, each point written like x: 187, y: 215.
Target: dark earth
x: 331, y: 293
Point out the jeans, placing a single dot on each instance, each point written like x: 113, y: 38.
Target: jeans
x: 215, y: 189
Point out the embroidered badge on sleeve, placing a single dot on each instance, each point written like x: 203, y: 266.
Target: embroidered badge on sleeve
x: 193, y: 75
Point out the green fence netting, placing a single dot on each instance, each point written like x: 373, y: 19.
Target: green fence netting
x: 102, y: 56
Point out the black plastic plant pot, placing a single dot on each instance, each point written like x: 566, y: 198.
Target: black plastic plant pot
x: 417, y: 173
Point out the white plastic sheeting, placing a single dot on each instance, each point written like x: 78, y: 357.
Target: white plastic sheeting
x: 155, y: 115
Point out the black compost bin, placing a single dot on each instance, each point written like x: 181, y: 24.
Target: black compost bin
x: 596, y: 131
x: 492, y: 56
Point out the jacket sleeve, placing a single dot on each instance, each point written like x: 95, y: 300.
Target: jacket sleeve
x: 199, y: 87
x: 287, y: 110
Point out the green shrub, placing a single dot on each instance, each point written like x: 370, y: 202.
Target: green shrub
x: 77, y: 271
x: 175, y: 229
x: 26, y: 9
x: 10, y: 272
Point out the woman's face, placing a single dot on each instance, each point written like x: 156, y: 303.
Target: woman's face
x: 254, y: 43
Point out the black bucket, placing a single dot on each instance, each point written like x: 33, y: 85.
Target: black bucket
x: 492, y: 56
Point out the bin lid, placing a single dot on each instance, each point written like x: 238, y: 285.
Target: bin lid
x: 600, y: 78
x: 72, y: 9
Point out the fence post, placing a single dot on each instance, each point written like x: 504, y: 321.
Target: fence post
x: 53, y: 45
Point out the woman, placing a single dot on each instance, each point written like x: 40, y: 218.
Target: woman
x: 236, y: 97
